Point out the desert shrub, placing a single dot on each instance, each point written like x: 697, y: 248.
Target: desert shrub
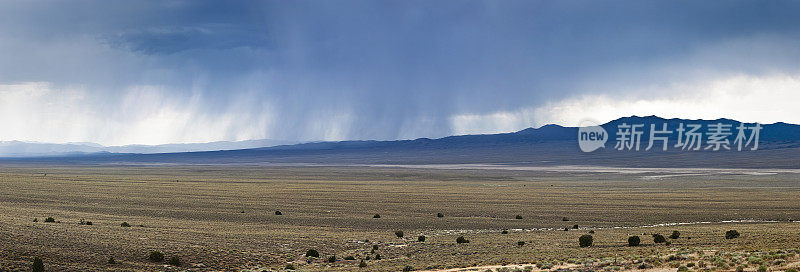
x: 89, y: 223
x: 791, y: 270
x: 762, y: 269
x: 504, y: 232
x: 521, y: 243
x: 362, y: 264
x: 440, y: 215
x: 644, y: 266
x: 289, y: 267
x: 591, y: 231
x: 332, y: 259
x: 461, y: 240
x: 399, y: 234
x: 518, y: 216
x: 112, y: 261
x: 564, y: 219
x: 377, y: 256
x: 278, y: 213
x: 49, y: 220
x: 312, y: 253
x: 731, y: 234
x: 421, y: 238
x: 658, y: 238
x: 156, y: 256
x: 585, y: 240
x: 374, y: 247
x: 408, y: 268
x: 634, y: 241
x: 35, y: 220
x: 691, y: 264
x: 566, y: 229
x: 376, y: 216
x: 683, y: 268
x: 755, y: 260
x: 125, y: 224
x: 38, y: 265
x: 174, y: 261
x: 575, y: 226
x: 675, y: 258
x: 675, y: 234
x: 350, y: 258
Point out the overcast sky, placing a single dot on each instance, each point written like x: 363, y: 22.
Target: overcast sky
x: 154, y: 72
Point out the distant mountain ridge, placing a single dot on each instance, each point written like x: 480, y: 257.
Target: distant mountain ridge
x: 35, y: 149
x: 779, y: 147
x: 771, y: 133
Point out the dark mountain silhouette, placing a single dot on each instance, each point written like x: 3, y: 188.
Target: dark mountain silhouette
x: 779, y: 147
x: 771, y: 136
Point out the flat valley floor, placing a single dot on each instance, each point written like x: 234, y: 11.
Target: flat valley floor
x: 223, y: 218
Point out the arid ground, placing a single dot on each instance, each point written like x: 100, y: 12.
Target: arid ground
x: 223, y: 218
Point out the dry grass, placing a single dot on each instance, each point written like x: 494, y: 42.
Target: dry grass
x: 223, y: 217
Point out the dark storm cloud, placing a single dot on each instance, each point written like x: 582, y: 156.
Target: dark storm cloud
x: 387, y: 69
x: 172, y: 40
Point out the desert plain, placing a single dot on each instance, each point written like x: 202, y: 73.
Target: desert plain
x: 267, y: 217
